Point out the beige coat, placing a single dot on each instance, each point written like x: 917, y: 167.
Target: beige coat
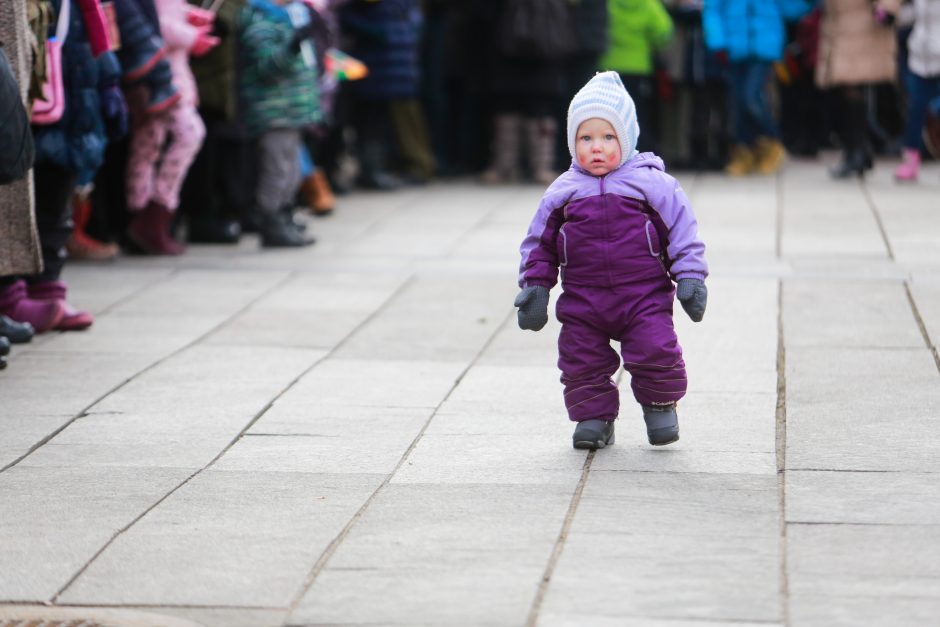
x: 854, y: 49
x: 19, y: 244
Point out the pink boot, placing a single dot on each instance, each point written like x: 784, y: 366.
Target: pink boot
x: 55, y: 292
x: 908, y: 170
x: 42, y: 314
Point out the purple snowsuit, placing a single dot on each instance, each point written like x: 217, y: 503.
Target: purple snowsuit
x: 619, y: 240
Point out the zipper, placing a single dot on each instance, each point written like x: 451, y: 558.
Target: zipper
x: 603, y: 180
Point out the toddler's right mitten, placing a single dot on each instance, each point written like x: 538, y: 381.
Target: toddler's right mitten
x: 532, y: 302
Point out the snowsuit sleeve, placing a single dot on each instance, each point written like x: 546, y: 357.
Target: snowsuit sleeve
x: 539, y: 265
x: 685, y: 249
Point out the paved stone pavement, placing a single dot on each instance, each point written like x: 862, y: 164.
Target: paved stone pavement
x: 359, y: 434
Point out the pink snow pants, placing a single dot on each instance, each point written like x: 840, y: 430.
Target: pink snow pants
x: 156, y: 168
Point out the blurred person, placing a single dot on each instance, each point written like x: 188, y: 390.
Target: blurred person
x: 385, y: 35
x: 278, y: 88
x: 748, y: 36
x: 526, y: 85
x: 164, y: 144
x: 70, y: 150
x: 923, y: 82
x: 142, y: 53
x: 219, y: 185
x: 20, y: 250
x: 590, y: 19
x: 857, y: 49
x: 623, y: 231
x: 637, y: 28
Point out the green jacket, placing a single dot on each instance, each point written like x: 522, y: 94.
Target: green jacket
x: 278, y: 90
x: 635, y: 28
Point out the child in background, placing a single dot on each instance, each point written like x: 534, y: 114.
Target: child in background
x: 163, y: 145
x: 635, y: 29
x: 279, y: 92
x: 622, y: 231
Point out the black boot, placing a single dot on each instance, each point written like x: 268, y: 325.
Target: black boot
x: 277, y: 232
x: 593, y: 434
x: 4, y: 351
x: 16, y: 332
x: 662, y: 424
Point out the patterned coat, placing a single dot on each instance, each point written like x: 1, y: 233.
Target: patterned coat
x: 19, y: 243
x: 854, y: 49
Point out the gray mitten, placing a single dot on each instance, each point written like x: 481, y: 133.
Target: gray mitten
x: 532, y: 302
x: 693, y: 295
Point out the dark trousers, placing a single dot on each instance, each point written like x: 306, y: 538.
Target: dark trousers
x: 920, y: 92
x: 54, y: 186
x: 751, y: 111
x: 641, y: 89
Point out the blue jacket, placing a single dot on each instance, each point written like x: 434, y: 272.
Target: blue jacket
x: 77, y: 141
x: 385, y: 37
x: 750, y: 29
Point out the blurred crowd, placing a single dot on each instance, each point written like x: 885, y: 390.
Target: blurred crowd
x: 146, y: 124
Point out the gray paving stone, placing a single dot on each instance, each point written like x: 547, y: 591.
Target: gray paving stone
x: 711, y: 541
x: 864, y: 561
x: 54, y: 520
x: 866, y: 405
x: 926, y: 293
x: 222, y: 617
x: 448, y: 554
x: 849, y: 314
x: 852, y: 611
x: 240, y: 539
x: 155, y: 336
x: 98, y: 291
x: 863, y: 497
x: 595, y: 618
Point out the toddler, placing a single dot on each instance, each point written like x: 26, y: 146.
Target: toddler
x: 621, y: 230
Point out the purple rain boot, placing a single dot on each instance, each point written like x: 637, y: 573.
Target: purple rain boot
x: 43, y: 315
x: 55, y: 292
x: 662, y: 424
x: 593, y: 434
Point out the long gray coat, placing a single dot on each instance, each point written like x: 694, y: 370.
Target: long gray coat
x: 19, y: 243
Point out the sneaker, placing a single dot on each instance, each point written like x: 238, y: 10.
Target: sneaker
x: 593, y: 434
x: 662, y: 424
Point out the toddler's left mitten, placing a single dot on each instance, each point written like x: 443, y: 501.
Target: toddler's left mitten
x: 532, y: 302
x: 693, y: 295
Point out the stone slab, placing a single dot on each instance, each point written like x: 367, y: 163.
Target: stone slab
x: 899, y: 498
x: 54, y: 520
x: 441, y: 554
x: 226, y: 538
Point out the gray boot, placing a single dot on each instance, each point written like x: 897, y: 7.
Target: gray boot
x: 662, y: 424
x: 593, y: 434
x: 540, y: 136
x: 506, y: 150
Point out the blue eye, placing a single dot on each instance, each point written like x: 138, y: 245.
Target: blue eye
x: 609, y: 137
x: 586, y: 138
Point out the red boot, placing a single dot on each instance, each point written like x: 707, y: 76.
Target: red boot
x: 55, y: 292
x: 81, y: 245
x: 149, y: 231
x: 42, y: 314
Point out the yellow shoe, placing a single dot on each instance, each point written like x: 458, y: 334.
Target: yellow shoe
x: 742, y: 161
x: 770, y: 155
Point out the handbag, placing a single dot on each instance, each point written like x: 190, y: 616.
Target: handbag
x: 49, y: 108
x: 16, y: 139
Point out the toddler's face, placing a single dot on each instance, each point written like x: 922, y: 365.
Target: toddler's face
x: 597, y: 147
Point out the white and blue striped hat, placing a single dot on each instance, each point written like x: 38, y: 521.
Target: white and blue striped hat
x: 605, y: 97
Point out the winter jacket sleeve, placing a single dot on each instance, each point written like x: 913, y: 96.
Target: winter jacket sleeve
x: 539, y: 265
x: 177, y: 31
x: 712, y: 25
x: 659, y: 26
x: 792, y: 10
x: 685, y: 250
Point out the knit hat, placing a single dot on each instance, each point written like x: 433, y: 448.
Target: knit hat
x: 605, y: 97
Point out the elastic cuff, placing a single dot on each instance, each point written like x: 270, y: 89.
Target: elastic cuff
x: 691, y: 275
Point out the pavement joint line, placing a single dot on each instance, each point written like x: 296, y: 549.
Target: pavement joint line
x: 778, y: 215
x: 780, y: 441
x: 244, y: 429
x: 919, y: 319
x: 877, y: 216
x: 334, y: 544
x: 811, y: 523
x: 84, y: 411
x: 546, y: 579
x: 866, y: 471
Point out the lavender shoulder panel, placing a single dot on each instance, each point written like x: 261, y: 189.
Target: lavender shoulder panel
x: 539, y: 263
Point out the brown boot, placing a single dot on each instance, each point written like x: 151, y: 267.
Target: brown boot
x: 317, y: 194
x: 770, y: 155
x: 742, y: 161
x: 81, y: 245
x: 149, y: 231
x: 504, y: 168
